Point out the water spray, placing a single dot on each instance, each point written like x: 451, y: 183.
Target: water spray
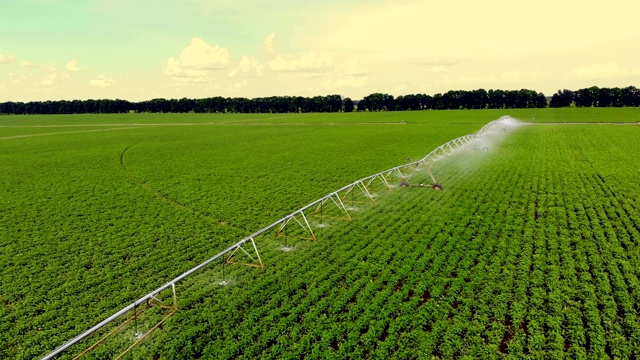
x: 483, y: 140
x: 224, y: 281
x: 137, y: 334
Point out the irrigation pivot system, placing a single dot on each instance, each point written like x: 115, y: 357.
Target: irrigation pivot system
x: 298, y: 218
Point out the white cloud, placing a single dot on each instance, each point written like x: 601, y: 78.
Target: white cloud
x: 355, y: 77
x: 201, y: 56
x: 247, y: 66
x: 436, y: 61
x: 13, y: 80
x: 511, y: 75
x: 7, y: 59
x: 50, y: 80
x: 196, y: 61
x: 354, y: 69
x: 50, y: 68
x: 348, y: 82
x: 602, y: 71
x: 313, y: 75
x: 473, y: 81
x: 268, y: 45
x: 101, y: 81
x: 192, y: 80
x: 436, y: 69
x: 539, y: 75
x: 311, y: 62
x: 73, y: 66
x: 26, y: 64
x: 435, y: 64
x: 174, y: 69
x: 238, y: 85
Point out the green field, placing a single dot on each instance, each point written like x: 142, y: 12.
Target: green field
x: 531, y: 250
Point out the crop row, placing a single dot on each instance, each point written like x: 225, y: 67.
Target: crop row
x: 93, y: 220
x: 529, y: 251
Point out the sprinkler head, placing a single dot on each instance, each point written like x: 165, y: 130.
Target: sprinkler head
x: 436, y: 186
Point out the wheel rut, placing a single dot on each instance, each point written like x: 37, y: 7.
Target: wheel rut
x: 167, y: 199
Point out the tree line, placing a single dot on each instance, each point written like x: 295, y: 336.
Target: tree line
x: 454, y: 100
x: 273, y: 104
x: 597, y: 97
x: 451, y: 100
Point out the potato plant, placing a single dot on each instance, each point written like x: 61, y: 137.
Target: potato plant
x: 530, y: 250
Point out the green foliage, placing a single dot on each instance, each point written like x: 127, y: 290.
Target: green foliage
x: 531, y: 249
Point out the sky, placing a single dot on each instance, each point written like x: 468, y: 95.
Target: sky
x: 139, y: 50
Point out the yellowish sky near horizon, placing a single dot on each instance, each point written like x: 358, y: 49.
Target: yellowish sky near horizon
x: 350, y: 48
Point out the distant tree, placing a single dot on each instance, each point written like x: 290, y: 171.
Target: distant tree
x: 379, y: 102
x: 232, y: 105
x: 476, y: 99
x: 495, y: 99
x: 316, y: 104
x: 562, y: 98
x: 616, y: 93
x: 347, y: 105
x: 438, y: 102
x: 452, y: 99
x: 155, y: 105
x: 284, y: 104
x: 332, y: 103
x: 202, y: 106
x: 242, y: 105
x: 540, y: 101
x: 123, y: 106
x: 183, y: 105
x: 401, y: 103
x: 525, y: 99
x: 606, y: 97
x: 104, y: 106
x: 586, y: 97
x: 363, y: 105
x: 405, y: 102
x: 630, y: 96
x: 510, y: 99
x: 10, y: 107
x: 300, y: 104
x: 77, y: 107
x: 426, y: 101
x: 412, y: 102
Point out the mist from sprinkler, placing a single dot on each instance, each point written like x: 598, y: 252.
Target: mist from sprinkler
x: 492, y: 137
x: 287, y: 248
x: 486, y: 140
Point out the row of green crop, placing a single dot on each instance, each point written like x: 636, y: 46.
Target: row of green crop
x: 531, y: 249
x: 93, y: 220
x: 528, y: 252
